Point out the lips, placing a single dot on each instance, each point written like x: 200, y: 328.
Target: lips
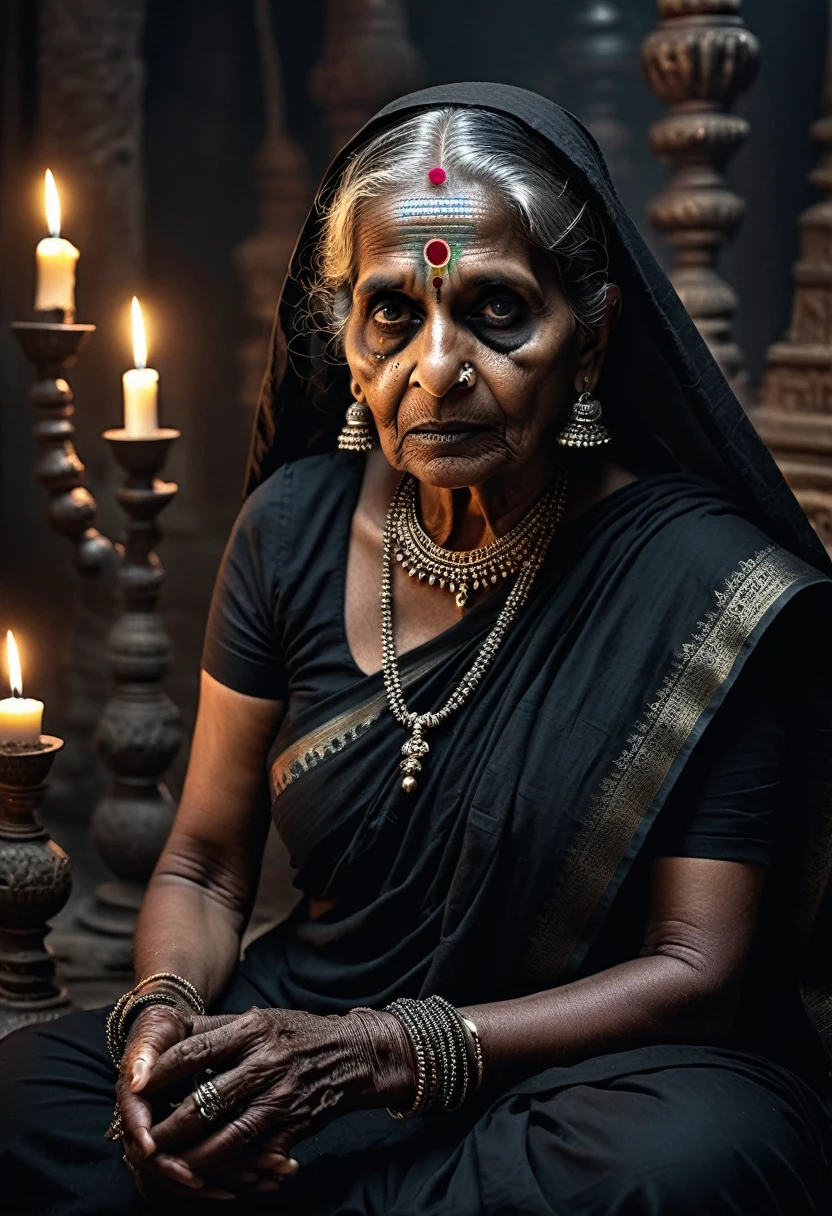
x: 447, y: 434
x: 446, y: 428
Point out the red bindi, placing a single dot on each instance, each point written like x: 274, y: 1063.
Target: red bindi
x: 437, y: 176
x: 437, y: 253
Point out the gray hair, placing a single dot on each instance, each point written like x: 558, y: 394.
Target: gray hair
x: 476, y: 146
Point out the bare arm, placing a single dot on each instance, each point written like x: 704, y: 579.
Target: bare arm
x: 202, y: 889
x: 200, y: 896
x: 684, y: 986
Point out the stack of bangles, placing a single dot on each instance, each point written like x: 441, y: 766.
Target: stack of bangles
x: 168, y: 989
x: 447, y: 1050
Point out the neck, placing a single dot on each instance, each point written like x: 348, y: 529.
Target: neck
x: 473, y: 516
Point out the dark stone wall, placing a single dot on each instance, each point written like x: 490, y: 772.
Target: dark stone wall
x: 202, y: 125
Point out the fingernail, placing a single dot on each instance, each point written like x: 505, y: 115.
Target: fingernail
x: 139, y: 1075
x: 185, y: 1174
x: 289, y: 1166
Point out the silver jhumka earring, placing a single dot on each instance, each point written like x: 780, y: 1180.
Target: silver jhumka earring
x: 585, y: 429
x: 356, y: 433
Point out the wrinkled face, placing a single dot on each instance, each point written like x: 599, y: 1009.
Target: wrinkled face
x: 498, y: 305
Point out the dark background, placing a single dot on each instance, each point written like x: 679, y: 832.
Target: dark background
x: 202, y: 122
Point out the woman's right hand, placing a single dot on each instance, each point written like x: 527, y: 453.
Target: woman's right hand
x: 261, y: 1168
x: 155, y: 1030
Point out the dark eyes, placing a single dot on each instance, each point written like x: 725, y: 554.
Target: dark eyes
x: 499, y: 311
x: 393, y: 316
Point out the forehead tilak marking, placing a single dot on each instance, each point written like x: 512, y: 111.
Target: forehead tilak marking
x: 450, y: 217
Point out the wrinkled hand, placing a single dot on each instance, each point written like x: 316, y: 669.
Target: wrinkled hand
x: 156, y: 1029
x: 282, y: 1074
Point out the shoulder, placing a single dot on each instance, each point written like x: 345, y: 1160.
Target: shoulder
x: 329, y: 472
x: 310, y: 487
x: 686, y: 534
x: 696, y: 519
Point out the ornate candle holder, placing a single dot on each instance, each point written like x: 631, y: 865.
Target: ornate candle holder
x: 140, y: 730
x: 35, y: 881
x: 53, y: 347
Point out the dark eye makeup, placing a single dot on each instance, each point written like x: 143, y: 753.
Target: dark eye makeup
x: 395, y: 315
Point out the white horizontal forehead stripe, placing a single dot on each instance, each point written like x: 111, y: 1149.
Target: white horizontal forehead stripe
x: 432, y: 207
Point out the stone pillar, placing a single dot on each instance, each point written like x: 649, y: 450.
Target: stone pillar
x: 698, y: 60
x: 795, y: 414
x: 282, y: 191
x: 367, y: 60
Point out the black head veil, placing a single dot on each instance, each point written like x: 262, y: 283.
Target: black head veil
x: 661, y: 387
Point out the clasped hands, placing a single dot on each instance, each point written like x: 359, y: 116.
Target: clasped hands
x: 280, y: 1075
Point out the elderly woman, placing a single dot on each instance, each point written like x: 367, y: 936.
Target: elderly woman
x: 536, y: 668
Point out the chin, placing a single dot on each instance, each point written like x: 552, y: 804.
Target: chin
x: 455, y: 470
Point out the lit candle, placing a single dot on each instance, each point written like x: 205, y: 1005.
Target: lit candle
x: 56, y: 257
x: 141, y: 383
x: 20, y: 717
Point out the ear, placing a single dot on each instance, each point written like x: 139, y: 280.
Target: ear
x: 357, y: 391
x: 593, y: 344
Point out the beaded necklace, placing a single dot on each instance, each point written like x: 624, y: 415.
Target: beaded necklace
x: 549, y: 514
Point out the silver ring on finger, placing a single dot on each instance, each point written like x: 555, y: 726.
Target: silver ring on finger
x: 210, y: 1104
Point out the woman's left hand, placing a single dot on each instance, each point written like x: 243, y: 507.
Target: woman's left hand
x: 280, y: 1074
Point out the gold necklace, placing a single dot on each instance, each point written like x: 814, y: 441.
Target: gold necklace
x: 551, y: 507
x: 461, y: 571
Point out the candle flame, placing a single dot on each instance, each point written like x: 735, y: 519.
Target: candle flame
x: 139, y: 336
x: 13, y: 659
x: 52, y: 204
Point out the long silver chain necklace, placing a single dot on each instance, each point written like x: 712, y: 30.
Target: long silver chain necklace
x: 461, y: 571
x: 551, y: 508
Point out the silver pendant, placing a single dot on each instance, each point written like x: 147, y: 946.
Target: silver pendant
x: 412, y: 749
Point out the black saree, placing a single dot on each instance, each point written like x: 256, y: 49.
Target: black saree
x: 536, y: 802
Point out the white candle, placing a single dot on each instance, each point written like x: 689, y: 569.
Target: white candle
x: 20, y: 717
x: 140, y: 384
x: 55, y: 257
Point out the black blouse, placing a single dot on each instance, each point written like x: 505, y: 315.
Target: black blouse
x: 276, y: 630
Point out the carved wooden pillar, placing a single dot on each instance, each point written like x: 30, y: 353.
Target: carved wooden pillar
x: 795, y: 414
x: 698, y: 61
x: 367, y: 60
x: 595, y: 60
x: 282, y: 190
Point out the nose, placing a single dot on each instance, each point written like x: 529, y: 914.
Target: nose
x: 438, y: 356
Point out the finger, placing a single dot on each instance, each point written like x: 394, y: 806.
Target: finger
x: 227, y: 1141
x: 136, y: 1121
x: 155, y: 1030
x: 186, y: 1123
x: 276, y: 1163
x: 201, y: 1050
x: 237, y: 1176
x: 153, y: 1187
x: 169, y: 1169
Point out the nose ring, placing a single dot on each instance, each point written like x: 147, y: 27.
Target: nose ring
x: 467, y: 376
